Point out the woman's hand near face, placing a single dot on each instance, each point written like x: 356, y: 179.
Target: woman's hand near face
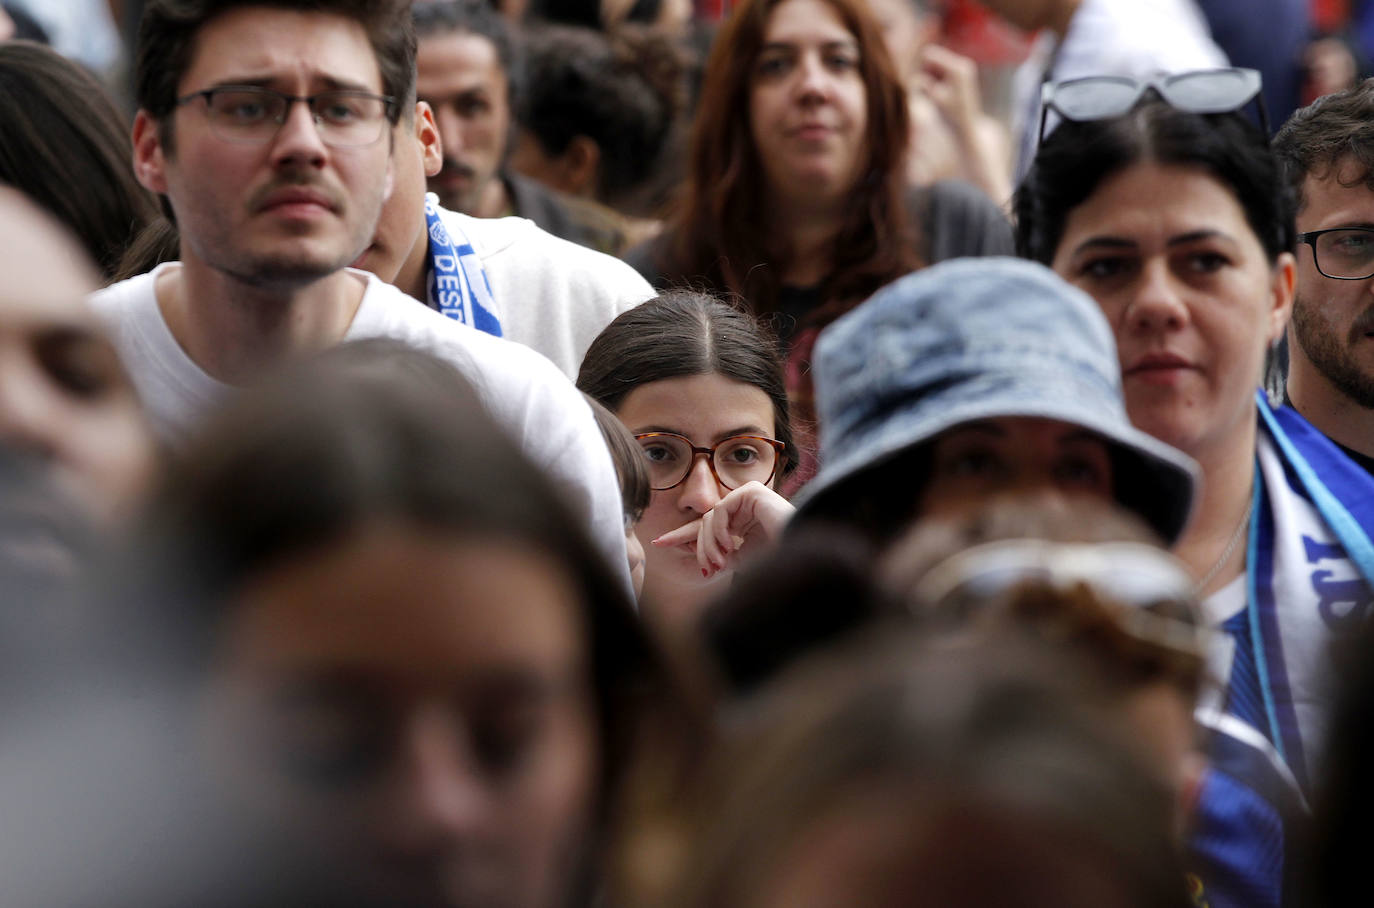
x: 973, y: 146
x: 743, y: 522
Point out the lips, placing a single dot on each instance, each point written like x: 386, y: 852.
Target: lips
x: 810, y: 131
x: 296, y: 197
x: 1158, y: 366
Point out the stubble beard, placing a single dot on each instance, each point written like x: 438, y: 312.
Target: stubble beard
x: 1331, y: 355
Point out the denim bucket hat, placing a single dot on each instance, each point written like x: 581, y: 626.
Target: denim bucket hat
x: 974, y: 339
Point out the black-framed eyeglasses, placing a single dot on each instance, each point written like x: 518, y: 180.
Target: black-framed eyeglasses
x: 1202, y: 91
x: 733, y: 461
x: 1342, y: 253
x: 252, y: 115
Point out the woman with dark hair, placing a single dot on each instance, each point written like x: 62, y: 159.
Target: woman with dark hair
x: 796, y: 198
x: 67, y: 148
x: 1179, y: 224
x: 699, y: 385
x: 406, y: 649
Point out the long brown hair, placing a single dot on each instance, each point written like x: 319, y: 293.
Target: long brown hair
x: 720, y: 232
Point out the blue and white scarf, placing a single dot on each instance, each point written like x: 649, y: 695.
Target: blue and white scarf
x: 1308, y: 578
x: 458, y: 286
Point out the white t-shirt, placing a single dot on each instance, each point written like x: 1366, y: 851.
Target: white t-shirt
x: 525, y: 392
x: 550, y: 294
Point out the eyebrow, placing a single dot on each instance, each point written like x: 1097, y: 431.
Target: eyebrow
x: 1183, y: 239
x: 830, y: 44
x: 1352, y: 225
x: 728, y: 433
x: 330, y: 83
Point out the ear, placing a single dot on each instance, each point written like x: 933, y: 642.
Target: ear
x: 150, y: 164
x: 580, y: 163
x: 1281, y: 299
x: 427, y: 134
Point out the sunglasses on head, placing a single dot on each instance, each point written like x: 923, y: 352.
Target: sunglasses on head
x: 1203, y: 91
x: 1153, y: 597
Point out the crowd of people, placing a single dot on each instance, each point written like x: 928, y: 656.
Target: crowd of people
x: 553, y: 455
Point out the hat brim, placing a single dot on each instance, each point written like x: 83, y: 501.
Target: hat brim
x: 1151, y: 479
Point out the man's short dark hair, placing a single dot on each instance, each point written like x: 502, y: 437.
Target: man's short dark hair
x: 167, y: 38
x: 1327, y: 132
x: 474, y: 17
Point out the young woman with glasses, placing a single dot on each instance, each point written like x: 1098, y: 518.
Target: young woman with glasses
x: 700, y: 386
x: 1174, y: 217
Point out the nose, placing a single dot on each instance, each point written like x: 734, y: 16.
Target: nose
x: 813, y: 81
x: 437, y: 793
x: 298, y: 140
x: 1156, y: 304
x: 699, y: 492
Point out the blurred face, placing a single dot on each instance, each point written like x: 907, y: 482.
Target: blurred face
x: 1190, y: 294
x: 64, y: 396
x: 460, y: 75
x: 1333, y: 320
x: 422, y: 700
x: 705, y: 409
x: 977, y: 461
x: 290, y: 210
x: 808, y: 110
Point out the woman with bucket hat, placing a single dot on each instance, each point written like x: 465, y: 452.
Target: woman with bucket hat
x: 976, y: 378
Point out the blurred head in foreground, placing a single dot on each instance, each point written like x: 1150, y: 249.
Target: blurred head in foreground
x: 409, y: 652
x: 901, y: 773
x: 1090, y: 583
x: 65, y: 399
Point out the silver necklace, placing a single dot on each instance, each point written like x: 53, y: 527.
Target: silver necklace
x: 1229, y: 551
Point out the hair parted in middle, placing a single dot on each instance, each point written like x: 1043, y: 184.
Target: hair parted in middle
x: 682, y: 333
x: 721, y: 227
x: 1078, y: 157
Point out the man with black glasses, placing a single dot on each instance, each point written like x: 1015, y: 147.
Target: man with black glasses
x: 1327, y: 151
x: 266, y: 128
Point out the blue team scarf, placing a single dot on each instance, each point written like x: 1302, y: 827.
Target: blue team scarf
x: 458, y: 285
x: 1251, y: 811
x: 1342, y: 493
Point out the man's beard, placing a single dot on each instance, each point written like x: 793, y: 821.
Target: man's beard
x: 1331, y: 355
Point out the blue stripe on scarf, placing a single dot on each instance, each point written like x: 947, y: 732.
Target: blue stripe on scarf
x: 452, y: 259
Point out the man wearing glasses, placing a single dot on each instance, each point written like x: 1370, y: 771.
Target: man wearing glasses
x: 267, y: 127
x: 1327, y: 151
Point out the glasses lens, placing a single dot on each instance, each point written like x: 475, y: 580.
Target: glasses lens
x: 349, y: 118
x: 1095, y: 98
x: 1210, y: 91
x: 668, y: 457
x: 1346, y: 253
x: 744, y: 459
x: 245, y: 115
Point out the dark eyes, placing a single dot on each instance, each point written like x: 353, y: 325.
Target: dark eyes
x: 1103, y: 268
x: 780, y: 63
x: 80, y: 365
x: 1108, y: 267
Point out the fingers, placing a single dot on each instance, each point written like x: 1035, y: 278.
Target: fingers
x: 747, y: 518
x: 683, y: 535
